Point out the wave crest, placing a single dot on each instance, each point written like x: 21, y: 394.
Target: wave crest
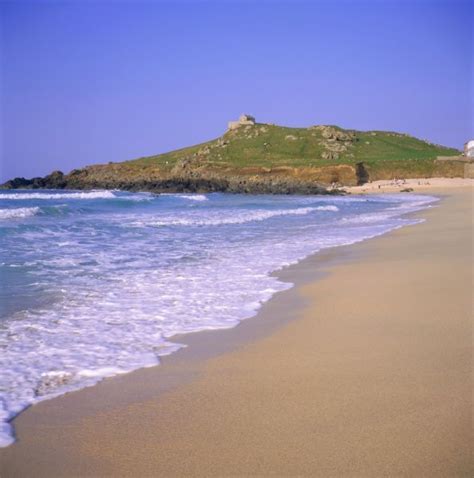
x: 18, y: 212
x: 193, y: 197
x: 77, y: 195
x: 328, y: 208
x: 241, y: 218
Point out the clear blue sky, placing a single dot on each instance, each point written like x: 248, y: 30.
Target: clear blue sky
x: 87, y: 82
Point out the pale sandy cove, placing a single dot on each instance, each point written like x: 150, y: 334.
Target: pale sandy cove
x: 418, y: 185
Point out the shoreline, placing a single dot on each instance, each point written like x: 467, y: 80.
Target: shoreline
x: 417, y: 185
x: 51, y: 422
x: 207, y: 337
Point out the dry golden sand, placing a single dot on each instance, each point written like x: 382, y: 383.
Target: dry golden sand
x: 364, y: 372
x: 424, y: 185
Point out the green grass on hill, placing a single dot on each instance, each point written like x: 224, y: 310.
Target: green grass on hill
x: 269, y: 146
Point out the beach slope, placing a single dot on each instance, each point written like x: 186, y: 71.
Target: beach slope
x: 371, y: 377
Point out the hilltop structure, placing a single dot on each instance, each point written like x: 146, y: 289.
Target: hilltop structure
x: 469, y: 149
x: 244, y: 120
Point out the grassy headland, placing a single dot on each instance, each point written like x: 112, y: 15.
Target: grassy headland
x: 269, y: 158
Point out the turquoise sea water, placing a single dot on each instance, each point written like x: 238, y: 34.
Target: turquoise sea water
x: 97, y: 283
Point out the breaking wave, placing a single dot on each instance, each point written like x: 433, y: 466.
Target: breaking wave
x: 75, y: 195
x: 18, y: 213
x: 192, y: 197
x: 218, y: 219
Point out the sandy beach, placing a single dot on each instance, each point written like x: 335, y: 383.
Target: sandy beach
x: 423, y: 185
x: 363, y: 369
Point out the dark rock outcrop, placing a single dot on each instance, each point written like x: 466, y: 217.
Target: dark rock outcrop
x: 184, y: 179
x: 55, y: 180
x: 362, y: 174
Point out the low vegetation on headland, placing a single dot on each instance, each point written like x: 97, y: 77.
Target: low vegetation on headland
x: 264, y: 158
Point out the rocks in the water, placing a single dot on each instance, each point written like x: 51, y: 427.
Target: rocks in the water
x: 19, y: 183
x: 50, y: 381
x: 55, y: 180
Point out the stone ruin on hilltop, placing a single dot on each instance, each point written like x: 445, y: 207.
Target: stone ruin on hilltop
x: 244, y: 120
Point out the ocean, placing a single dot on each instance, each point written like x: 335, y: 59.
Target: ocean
x: 97, y: 283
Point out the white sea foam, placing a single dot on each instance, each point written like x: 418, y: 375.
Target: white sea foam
x: 192, y: 197
x: 6, y: 435
x: 101, y: 372
x: 19, y: 212
x: 412, y: 204
x: 219, y: 219
x: 71, y: 195
x: 138, y: 197
x: 330, y: 207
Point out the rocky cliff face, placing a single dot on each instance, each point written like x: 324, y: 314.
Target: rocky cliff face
x: 187, y: 180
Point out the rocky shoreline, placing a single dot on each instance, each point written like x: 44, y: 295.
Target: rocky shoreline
x: 252, y: 184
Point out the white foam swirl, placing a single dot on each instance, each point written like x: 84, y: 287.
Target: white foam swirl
x: 193, y: 197
x: 19, y: 212
x: 217, y: 219
x: 78, y: 195
x: 328, y: 208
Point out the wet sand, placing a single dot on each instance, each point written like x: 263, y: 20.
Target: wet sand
x: 363, y: 369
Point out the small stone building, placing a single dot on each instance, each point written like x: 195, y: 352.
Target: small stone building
x: 244, y: 120
x: 469, y: 149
